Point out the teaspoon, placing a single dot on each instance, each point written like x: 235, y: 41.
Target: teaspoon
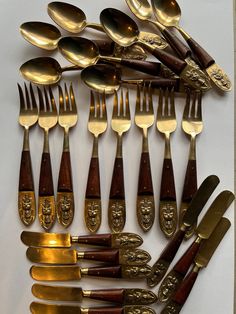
x: 124, y: 31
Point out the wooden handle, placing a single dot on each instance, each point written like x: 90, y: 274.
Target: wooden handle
x: 173, y: 63
x: 117, y: 184
x: 190, y: 182
x: 45, y: 178
x: 111, y: 295
x: 93, y: 184
x: 109, y: 272
x: 98, y: 239
x: 26, y: 182
x: 145, y: 178
x: 104, y: 310
x: 152, y: 68
x: 203, y: 57
x: 163, y: 82
x: 167, y: 181
x: 65, y: 174
x: 171, y: 249
x: 177, y: 45
x: 108, y: 256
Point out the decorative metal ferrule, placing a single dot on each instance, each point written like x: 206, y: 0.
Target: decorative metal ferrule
x: 145, y: 211
x: 219, y: 77
x: 138, y: 309
x: 136, y: 272
x: 93, y: 214
x: 46, y: 211
x: 158, y: 271
x: 116, y: 215
x: 65, y: 208
x: 172, y: 308
x: 139, y: 296
x: 134, y: 257
x: 195, y: 78
x: 168, y: 217
x: 131, y: 52
x: 27, y: 207
x: 155, y: 40
x: 126, y: 240
x: 169, y: 286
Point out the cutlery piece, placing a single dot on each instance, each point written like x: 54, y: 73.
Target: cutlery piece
x: 65, y: 256
x: 192, y: 125
x: 97, y: 124
x: 120, y: 296
x: 144, y: 118
x: 120, y: 124
x: 124, y: 31
x: 68, y: 273
x: 199, y: 200
x: 204, y: 230
x: 168, y: 13
x: 38, y: 308
x: 47, y: 120
x: 119, y: 240
x: 166, y: 124
x: 67, y: 119
x: 202, y: 259
x: 26, y: 197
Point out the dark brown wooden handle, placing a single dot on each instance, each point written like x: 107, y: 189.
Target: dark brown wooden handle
x: 152, y: 68
x: 172, y: 247
x: 26, y: 182
x: 145, y: 178
x: 108, y: 310
x: 185, y: 288
x: 167, y: 181
x: 173, y: 63
x: 162, y: 82
x: 117, y: 183
x: 106, y: 47
x: 65, y: 174
x: 177, y: 45
x: 93, y: 184
x: 97, y: 239
x: 190, y: 181
x: 109, y: 272
x: 111, y: 295
x: 108, y: 256
x: 45, y: 178
x: 203, y: 57
x: 184, y: 263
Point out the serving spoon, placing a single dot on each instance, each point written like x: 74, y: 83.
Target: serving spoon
x: 83, y: 52
x: 124, y: 31
x: 168, y: 13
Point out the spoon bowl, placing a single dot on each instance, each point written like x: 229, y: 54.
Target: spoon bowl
x: 140, y: 8
x: 167, y: 12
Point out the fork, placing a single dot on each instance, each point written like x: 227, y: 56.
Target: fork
x: 192, y: 125
x: 120, y: 124
x: 166, y: 124
x: 144, y: 118
x: 26, y: 197
x: 97, y: 124
x: 67, y: 119
x: 47, y: 120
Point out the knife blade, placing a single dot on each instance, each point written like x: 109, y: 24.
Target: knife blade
x: 38, y: 308
x: 201, y: 260
x: 65, y: 273
x: 207, y: 225
x: 199, y: 200
x: 119, y: 240
x: 134, y: 296
x: 66, y: 256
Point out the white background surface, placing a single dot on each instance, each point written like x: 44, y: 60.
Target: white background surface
x: 210, y: 23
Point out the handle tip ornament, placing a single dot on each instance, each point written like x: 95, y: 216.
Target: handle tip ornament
x: 126, y: 240
x: 116, y: 215
x: 168, y: 217
x: 139, y: 296
x: 158, y: 271
x: 134, y: 257
x: 136, y: 272
x: 169, y: 286
x: 65, y: 208
x: 138, y: 309
x: 27, y: 207
x: 93, y: 214
x: 145, y: 212
x: 219, y: 77
x: 46, y: 212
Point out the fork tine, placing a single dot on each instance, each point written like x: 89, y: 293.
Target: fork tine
x: 27, y: 99
x: 172, y: 103
x: 46, y: 99
x: 41, y: 102
x: 72, y: 99
x: 121, y: 103
x: 22, y: 101
x: 67, y: 102
x: 127, y: 109
x: 138, y: 103
x: 104, y: 109
x: 33, y: 101
x: 92, y: 107
x: 160, y: 104
x: 187, y: 105
x: 115, y: 106
x: 150, y: 102
x: 199, y: 105
x: 53, y: 102
x: 166, y: 103
x: 61, y: 100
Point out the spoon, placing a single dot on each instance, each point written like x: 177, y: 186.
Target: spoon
x: 73, y: 19
x: 83, y: 52
x: 168, y: 13
x: 124, y: 31
x: 104, y: 77
x: 44, y: 70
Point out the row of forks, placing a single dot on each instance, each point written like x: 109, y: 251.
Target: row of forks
x: 97, y: 124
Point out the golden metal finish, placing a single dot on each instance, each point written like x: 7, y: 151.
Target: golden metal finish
x: 28, y: 116
x: 139, y: 296
x: 134, y: 309
x: 97, y: 125
x: 47, y: 120
x: 168, y: 286
x: 54, y: 273
x: 219, y: 77
x: 58, y: 293
x: 166, y: 124
x: 144, y: 118
x: 67, y: 119
x: 133, y: 257
x: 192, y: 125
x: 136, y: 272
x: 126, y: 240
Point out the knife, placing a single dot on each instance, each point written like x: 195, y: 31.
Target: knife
x: 120, y: 296
x: 39, y: 308
x: 201, y: 260
x: 119, y: 240
x: 65, y: 273
x: 66, y: 256
x: 200, y: 198
x: 208, y: 224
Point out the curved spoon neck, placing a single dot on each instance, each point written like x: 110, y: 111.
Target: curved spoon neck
x: 70, y: 68
x: 96, y: 26
x: 160, y: 26
x: 119, y: 146
x: 185, y: 35
x: 26, y: 139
